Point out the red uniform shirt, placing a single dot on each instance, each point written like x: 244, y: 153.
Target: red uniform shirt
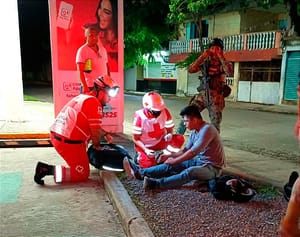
x: 151, y: 129
x: 215, y: 54
x: 78, y: 117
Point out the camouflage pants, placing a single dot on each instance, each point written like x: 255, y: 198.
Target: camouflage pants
x: 215, y: 107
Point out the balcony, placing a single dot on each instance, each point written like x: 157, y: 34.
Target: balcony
x: 243, y: 47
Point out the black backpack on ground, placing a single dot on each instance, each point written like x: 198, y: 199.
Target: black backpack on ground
x: 228, y: 187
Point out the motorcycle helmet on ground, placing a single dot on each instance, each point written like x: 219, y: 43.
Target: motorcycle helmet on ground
x: 229, y: 187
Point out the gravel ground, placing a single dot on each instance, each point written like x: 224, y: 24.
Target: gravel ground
x: 187, y: 211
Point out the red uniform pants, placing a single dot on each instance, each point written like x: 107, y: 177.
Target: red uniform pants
x: 75, y: 156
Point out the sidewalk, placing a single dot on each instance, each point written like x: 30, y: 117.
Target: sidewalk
x: 43, y: 208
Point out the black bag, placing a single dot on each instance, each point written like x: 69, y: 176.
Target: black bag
x: 228, y: 187
x: 226, y: 90
x: 109, y: 158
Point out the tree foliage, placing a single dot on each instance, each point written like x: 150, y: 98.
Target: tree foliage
x: 145, y: 29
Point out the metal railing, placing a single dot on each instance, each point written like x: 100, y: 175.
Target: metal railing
x: 247, y: 41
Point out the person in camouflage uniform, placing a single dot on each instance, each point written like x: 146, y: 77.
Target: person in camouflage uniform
x: 216, y: 70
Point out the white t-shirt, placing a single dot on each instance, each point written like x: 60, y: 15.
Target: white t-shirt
x: 99, y: 62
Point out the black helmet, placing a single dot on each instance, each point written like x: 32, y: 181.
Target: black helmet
x: 229, y: 187
x: 217, y: 42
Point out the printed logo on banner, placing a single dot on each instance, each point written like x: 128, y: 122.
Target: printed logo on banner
x: 64, y: 15
x: 109, y: 111
x: 71, y: 89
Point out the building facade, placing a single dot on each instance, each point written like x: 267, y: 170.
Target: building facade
x: 266, y: 61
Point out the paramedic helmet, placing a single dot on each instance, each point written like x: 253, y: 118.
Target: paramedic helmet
x: 106, y: 83
x: 153, y: 102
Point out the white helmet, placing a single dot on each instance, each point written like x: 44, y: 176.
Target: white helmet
x: 153, y: 101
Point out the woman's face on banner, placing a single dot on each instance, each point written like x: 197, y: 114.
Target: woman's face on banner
x: 105, y: 15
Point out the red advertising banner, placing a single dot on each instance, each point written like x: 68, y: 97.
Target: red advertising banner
x: 68, y: 21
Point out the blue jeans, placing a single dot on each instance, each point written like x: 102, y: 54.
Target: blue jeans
x: 171, y: 176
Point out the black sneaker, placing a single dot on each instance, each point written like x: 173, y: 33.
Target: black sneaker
x: 132, y: 169
x: 149, y: 183
x: 41, y: 171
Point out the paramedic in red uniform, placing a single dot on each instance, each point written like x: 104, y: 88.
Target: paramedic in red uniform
x: 78, y: 123
x: 152, y: 129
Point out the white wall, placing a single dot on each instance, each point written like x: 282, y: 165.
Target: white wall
x: 130, y: 77
x: 258, y: 92
x: 11, y: 89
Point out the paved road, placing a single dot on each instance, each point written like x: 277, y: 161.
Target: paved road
x: 259, y: 132
x: 255, y: 131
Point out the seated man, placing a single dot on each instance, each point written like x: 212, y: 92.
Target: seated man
x: 202, y: 158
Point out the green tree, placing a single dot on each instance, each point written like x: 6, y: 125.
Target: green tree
x: 145, y: 29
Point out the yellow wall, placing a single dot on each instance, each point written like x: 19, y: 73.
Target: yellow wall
x: 233, y: 23
x: 257, y: 21
x: 224, y: 24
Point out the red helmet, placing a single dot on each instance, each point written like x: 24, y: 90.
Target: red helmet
x: 105, y: 81
x: 108, y: 84
x: 153, y: 101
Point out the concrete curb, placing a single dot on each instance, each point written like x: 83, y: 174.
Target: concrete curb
x: 131, y: 219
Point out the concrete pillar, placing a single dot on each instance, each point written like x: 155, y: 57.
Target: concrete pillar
x: 182, y: 82
x: 11, y: 88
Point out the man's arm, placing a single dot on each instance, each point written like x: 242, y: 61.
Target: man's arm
x: 97, y: 134
x: 80, y: 69
x: 195, y: 66
x: 180, y: 157
x: 93, y: 113
x: 139, y: 143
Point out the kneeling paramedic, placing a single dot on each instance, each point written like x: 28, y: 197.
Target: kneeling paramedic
x: 152, y: 131
x: 78, y: 123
